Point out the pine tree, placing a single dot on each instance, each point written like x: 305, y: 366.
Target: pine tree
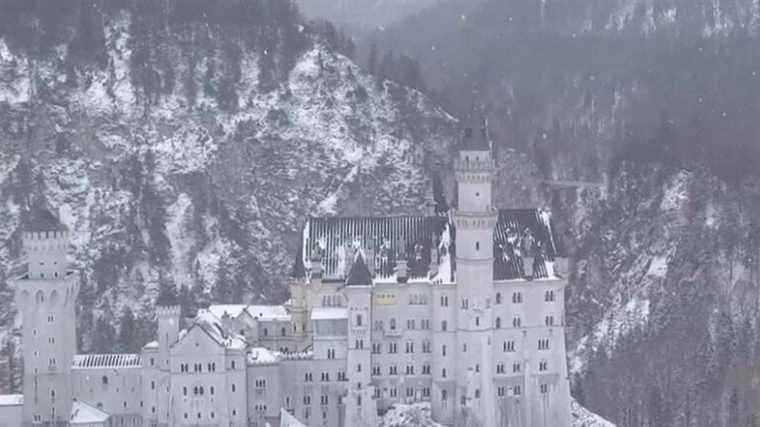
x: 127, y: 333
x: 103, y: 336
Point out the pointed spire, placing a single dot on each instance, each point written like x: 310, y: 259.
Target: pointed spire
x: 475, y: 133
x: 299, y: 270
x: 359, y: 274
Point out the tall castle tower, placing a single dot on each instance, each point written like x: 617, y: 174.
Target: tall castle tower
x: 46, y: 297
x: 475, y: 219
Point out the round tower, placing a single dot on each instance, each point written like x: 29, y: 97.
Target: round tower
x: 475, y: 219
x: 46, y: 296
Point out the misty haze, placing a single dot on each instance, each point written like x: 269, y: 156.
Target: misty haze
x: 380, y: 213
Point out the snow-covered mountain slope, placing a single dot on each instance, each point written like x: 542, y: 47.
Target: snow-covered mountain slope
x: 663, y: 299
x: 179, y: 188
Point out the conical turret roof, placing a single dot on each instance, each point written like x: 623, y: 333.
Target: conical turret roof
x: 359, y: 274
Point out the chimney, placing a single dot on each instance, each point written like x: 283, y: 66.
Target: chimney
x: 402, y: 273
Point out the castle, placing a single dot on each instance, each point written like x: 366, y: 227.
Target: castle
x: 464, y: 311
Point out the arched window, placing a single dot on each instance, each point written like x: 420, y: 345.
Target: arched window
x: 282, y: 332
x: 498, y: 322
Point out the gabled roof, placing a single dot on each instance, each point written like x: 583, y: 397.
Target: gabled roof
x: 521, y: 232
x: 232, y: 310
x: 106, y: 361
x: 82, y: 413
x: 382, y: 241
x: 212, y: 326
x: 269, y: 313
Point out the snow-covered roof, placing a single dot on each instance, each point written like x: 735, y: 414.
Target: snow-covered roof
x: 82, y: 413
x: 212, y: 325
x: 268, y: 313
x: 151, y: 345
x: 232, y: 310
x: 329, y: 313
x: 11, y: 399
x: 106, y: 361
x: 383, y: 241
x: 288, y: 420
x: 262, y: 356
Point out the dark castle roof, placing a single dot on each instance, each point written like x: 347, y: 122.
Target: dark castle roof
x: 417, y: 239
x: 359, y: 274
x: 41, y: 219
x: 383, y: 241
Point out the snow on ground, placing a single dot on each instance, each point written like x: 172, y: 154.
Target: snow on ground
x: 658, y: 267
x: 180, y: 238
x: 618, y: 322
x: 16, y: 87
x: 414, y: 415
x: 582, y: 417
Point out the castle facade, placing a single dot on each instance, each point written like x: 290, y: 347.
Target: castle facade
x: 464, y: 311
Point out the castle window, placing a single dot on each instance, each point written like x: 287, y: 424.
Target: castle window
x: 393, y: 324
x: 549, y: 320
x: 477, y: 246
x: 282, y: 332
x: 516, y: 322
x: 266, y: 332
x: 232, y: 365
x: 517, y: 297
x: 51, y: 340
x: 443, y: 350
x: 104, y: 380
x: 211, y: 390
x: 477, y: 321
x: 544, y: 388
x: 444, y: 301
x: 515, y: 367
x: 444, y: 395
x: 500, y: 391
x: 152, y: 384
x: 358, y: 320
x: 543, y: 366
x: 500, y: 368
x: 498, y: 323
x: 184, y: 391
x: 477, y: 393
x: 443, y: 373
x: 549, y: 296
x: 509, y: 346
x: 517, y: 390
x: 233, y: 388
x: 498, y: 298
x: 444, y: 325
